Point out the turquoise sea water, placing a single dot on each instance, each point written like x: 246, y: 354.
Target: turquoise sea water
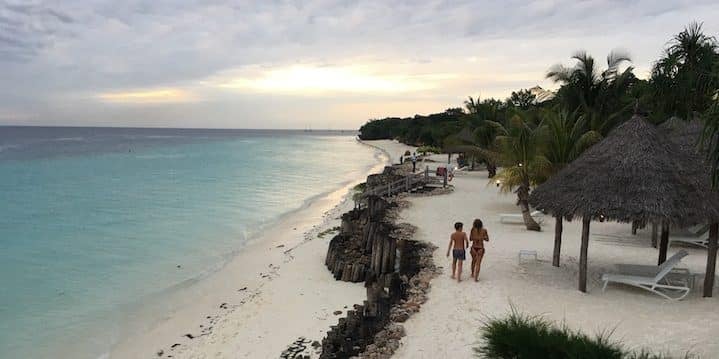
x: 95, y: 220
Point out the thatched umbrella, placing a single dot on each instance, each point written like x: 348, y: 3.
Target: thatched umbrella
x: 687, y: 136
x: 631, y: 175
x: 671, y: 128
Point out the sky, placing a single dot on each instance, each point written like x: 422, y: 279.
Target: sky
x: 298, y: 64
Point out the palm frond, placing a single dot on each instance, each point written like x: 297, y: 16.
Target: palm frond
x: 617, y: 57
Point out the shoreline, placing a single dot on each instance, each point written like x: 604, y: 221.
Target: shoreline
x: 205, y: 312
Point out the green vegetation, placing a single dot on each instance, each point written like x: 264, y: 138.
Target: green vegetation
x: 544, y: 134
x: 358, y: 190
x: 429, y: 149
x: 417, y: 131
x: 525, y: 337
x: 525, y: 165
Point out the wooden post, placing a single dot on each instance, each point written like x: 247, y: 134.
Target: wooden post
x: 557, y: 241
x: 655, y: 232
x: 663, y: 243
x: 444, y: 183
x: 711, y: 260
x: 583, y: 254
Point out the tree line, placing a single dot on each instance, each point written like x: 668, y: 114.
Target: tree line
x: 531, y: 140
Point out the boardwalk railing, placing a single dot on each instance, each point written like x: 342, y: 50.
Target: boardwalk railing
x: 405, y: 184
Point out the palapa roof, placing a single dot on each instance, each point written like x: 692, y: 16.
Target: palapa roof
x: 687, y: 138
x: 635, y: 173
x: 672, y: 124
x: 685, y: 134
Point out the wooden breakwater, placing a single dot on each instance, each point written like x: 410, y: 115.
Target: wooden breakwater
x: 364, y: 243
x: 371, y: 249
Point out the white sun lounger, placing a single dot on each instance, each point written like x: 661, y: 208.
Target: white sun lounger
x: 518, y: 218
x: 701, y: 241
x: 664, y: 280
x: 698, y: 229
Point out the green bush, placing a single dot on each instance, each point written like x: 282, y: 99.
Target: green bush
x: 358, y: 190
x: 429, y: 149
x: 526, y: 337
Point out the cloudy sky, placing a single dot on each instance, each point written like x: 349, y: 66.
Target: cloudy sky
x: 318, y: 63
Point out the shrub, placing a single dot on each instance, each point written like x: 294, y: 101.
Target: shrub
x: 429, y: 149
x: 357, y: 191
x: 527, y: 337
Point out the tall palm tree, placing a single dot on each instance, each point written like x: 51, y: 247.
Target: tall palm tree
x: 523, y: 164
x: 683, y: 80
x: 694, y: 77
x: 479, y: 130
x: 597, y: 95
x: 566, y: 137
x: 472, y: 105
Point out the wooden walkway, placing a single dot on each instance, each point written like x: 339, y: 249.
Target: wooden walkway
x: 409, y: 183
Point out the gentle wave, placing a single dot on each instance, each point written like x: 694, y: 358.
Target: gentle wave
x: 68, y: 139
x: 154, y: 157
x: 8, y: 147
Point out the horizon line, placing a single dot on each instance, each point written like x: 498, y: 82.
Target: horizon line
x: 185, y: 128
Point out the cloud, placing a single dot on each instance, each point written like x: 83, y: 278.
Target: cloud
x: 148, y: 96
x: 220, y: 54
x: 322, y: 80
x: 27, y: 28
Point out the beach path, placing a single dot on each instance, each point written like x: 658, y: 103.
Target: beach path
x: 448, y: 325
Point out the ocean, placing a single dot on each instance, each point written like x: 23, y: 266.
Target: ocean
x: 95, y: 221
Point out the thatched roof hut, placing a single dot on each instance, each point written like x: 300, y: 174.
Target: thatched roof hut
x: 635, y: 174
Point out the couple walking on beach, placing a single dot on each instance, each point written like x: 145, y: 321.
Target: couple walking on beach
x: 458, y: 243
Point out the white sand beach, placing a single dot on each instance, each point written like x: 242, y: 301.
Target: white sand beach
x: 273, y: 292
x: 448, y: 324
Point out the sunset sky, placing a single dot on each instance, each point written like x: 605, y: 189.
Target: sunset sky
x: 319, y: 63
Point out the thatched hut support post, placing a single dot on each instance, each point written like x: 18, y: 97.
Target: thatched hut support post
x: 663, y: 243
x: 635, y: 225
x: 583, y: 254
x: 655, y: 234
x: 557, y: 241
x: 711, y: 260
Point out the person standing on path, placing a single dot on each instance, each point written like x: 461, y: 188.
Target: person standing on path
x: 414, y: 162
x: 458, y: 242
x: 478, y: 235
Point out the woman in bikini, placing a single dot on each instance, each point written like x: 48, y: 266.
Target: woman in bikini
x: 478, y: 235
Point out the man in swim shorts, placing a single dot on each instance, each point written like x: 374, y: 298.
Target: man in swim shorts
x: 458, y: 243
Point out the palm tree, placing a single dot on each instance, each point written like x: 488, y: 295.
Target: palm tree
x: 597, y: 95
x: 479, y: 130
x: 566, y: 137
x: 472, y: 105
x: 524, y: 165
x: 682, y: 80
x: 521, y: 99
